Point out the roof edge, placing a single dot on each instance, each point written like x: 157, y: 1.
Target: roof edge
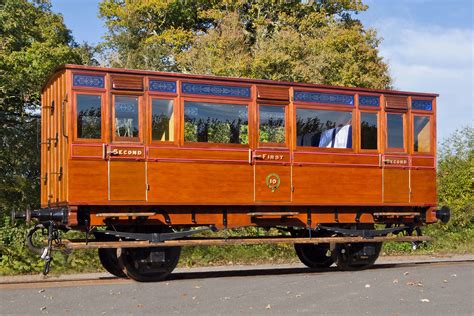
x: 229, y: 79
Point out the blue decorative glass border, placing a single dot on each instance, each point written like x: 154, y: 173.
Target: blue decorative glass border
x: 163, y: 86
x: 425, y: 105
x: 369, y: 100
x: 319, y: 97
x: 216, y: 90
x: 88, y: 81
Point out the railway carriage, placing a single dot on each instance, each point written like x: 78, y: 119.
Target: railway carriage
x: 143, y: 160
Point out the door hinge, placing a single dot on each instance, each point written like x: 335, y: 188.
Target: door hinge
x: 60, y: 173
x: 45, y: 178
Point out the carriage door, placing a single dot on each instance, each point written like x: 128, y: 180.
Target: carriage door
x: 271, y: 158
x: 126, y: 153
x: 395, y: 161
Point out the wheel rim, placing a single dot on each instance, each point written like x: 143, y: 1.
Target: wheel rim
x: 314, y: 255
x: 109, y: 260
x: 149, y: 264
x: 108, y: 257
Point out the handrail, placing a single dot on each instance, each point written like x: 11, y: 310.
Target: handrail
x: 63, y: 129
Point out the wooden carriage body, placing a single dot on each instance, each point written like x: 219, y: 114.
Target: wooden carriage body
x: 203, y: 150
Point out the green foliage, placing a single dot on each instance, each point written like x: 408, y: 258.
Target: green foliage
x: 318, y: 42
x: 456, y: 179
x: 34, y: 41
x: 15, y: 258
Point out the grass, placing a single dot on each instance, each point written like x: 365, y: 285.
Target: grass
x: 445, y: 242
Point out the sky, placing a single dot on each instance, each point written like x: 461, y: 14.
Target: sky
x: 428, y: 44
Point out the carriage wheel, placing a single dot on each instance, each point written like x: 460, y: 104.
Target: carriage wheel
x: 149, y: 264
x: 108, y: 257
x: 109, y: 260
x: 314, y: 255
x: 356, y: 256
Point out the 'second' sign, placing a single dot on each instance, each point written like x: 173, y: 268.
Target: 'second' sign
x: 127, y: 152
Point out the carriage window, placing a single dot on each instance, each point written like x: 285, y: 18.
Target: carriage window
x: 162, y: 120
x: 126, y: 116
x: 88, y: 109
x: 395, y: 130
x: 272, y: 124
x: 368, y: 130
x: 422, y: 134
x: 323, y: 128
x: 215, y: 123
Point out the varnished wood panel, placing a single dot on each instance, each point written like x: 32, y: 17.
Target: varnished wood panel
x: 264, y: 173
x: 87, y: 151
x: 120, y: 82
x: 335, y: 158
x: 88, y: 181
x: 324, y: 185
x: 422, y: 162
x: 423, y: 186
x: 396, y: 102
x: 54, y: 142
x: 395, y: 185
x: 127, y: 181
x: 198, y: 154
x: 200, y: 183
x: 273, y: 93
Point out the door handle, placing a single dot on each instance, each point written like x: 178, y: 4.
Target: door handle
x: 258, y: 157
x: 107, y: 153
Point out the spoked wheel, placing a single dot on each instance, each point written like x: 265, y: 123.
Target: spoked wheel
x: 314, y: 255
x: 149, y: 264
x: 109, y: 257
x: 356, y: 256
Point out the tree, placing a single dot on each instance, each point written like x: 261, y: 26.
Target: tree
x: 455, y: 178
x: 34, y: 41
x: 313, y: 41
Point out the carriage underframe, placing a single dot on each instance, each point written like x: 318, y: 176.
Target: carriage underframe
x: 132, y: 245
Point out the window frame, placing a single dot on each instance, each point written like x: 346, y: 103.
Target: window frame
x: 405, y: 133
x: 217, y: 101
x: 102, y: 115
x: 430, y: 116
x: 363, y: 107
x: 425, y: 112
x: 337, y: 108
x: 379, y: 127
x: 271, y: 145
x: 149, y: 120
x: 125, y: 140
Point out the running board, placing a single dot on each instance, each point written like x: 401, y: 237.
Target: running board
x: 82, y: 244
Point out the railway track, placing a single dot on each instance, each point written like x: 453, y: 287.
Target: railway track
x: 209, y: 272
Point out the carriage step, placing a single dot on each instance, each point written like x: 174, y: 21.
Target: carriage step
x: 272, y: 214
x: 134, y: 214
